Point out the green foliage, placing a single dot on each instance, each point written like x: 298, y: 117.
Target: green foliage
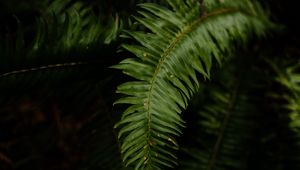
x: 287, y: 100
x: 183, y: 42
x: 60, y: 30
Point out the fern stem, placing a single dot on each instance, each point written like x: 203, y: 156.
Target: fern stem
x: 63, y: 65
x: 215, y: 152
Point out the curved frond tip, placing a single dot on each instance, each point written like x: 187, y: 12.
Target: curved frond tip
x: 183, y: 43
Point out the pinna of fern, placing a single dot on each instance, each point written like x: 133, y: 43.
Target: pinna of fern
x: 182, y: 44
x: 286, y: 105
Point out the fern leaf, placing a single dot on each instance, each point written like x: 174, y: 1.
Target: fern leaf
x: 289, y: 113
x: 225, y: 123
x: 183, y: 43
x: 64, y: 34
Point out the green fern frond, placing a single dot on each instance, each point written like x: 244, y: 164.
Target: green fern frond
x: 74, y: 27
x: 225, y: 124
x: 62, y: 36
x: 289, y: 111
x: 184, y: 42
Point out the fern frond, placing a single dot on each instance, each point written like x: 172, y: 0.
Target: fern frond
x: 66, y: 34
x: 289, y: 111
x: 183, y: 42
x: 225, y: 125
x: 74, y: 27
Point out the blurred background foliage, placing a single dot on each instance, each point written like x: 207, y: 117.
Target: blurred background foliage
x: 56, y: 91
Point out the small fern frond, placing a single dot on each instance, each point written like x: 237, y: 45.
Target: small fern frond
x: 183, y: 42
x: 289, y: 113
